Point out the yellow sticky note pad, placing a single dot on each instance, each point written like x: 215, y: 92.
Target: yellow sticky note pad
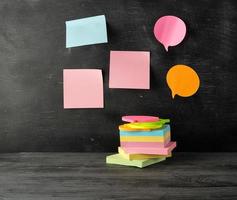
x: 145, y: 126
x: 117, y: 159
x: 126, y: 127
x: 138, y: 156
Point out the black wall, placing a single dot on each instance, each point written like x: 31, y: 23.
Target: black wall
x: 33, y: 55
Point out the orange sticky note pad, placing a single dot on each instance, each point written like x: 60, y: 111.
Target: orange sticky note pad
x: 129, y: 69
x: 83, y: 88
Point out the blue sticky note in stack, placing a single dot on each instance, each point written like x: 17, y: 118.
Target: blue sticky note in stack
x: 86, y: 31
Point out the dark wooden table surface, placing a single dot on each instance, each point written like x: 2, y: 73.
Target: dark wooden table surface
x: 200, y: 176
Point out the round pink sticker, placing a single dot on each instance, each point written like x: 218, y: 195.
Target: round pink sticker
x: 137, y: 118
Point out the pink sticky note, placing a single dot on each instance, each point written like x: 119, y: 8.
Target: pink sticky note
x: 139, y: 118
x: 144, y: 144
x: 169, y: 31
x: 129, y: 69
x: 83, y: 88
x: 151, y: 150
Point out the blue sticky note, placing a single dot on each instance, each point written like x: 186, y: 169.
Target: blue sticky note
x: 156, y: 132
x: 86, y: 31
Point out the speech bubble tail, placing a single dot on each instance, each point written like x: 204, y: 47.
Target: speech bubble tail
x: 173, y: 95
x: 166, y: 48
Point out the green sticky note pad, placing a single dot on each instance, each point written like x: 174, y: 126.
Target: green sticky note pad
x: 151, y: 125
x: 117, y: 159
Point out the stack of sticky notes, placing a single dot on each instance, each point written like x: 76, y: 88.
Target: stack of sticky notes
x: 144, y: 141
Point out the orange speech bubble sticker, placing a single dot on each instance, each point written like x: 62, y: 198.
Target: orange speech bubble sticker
x: 182, y: 80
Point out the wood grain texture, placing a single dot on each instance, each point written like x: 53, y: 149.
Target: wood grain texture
x: 33, y: 55
x: 26, y: 176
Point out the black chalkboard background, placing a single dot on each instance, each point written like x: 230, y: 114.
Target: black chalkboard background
x: 33, y: 55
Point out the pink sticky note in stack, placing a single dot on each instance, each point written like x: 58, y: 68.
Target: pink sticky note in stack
x: 145, y: 144
x: 129, y: 69
x: 151, y: 150
x: 83, y: 88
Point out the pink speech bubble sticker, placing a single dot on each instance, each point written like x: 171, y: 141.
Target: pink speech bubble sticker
x: 138, y: 118
x: 169, y: 31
